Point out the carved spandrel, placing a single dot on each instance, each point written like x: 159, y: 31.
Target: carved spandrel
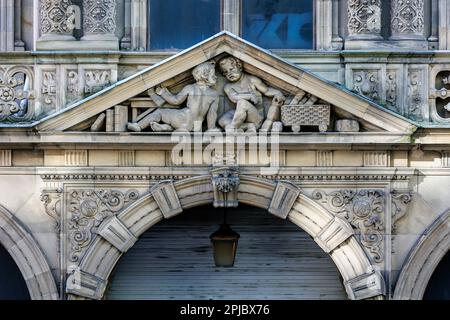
x: 364, y: 210
x: 87, y: 210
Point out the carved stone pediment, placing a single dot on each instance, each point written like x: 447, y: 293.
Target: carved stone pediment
x: 225, y: 83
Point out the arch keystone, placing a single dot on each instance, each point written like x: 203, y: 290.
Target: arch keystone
x: 283, y: 199
x: 85, y: 285
x: 167, y: 199
x: 116, y: 233
x: 333, y: 234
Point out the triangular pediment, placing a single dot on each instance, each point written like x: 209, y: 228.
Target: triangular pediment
x: 175, y: 73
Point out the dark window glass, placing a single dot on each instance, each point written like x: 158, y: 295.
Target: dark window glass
x: 176, y: 24
x: 278, y: 24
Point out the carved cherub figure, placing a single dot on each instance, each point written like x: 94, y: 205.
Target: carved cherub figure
x: 202, y: 101
x: 246, y: 92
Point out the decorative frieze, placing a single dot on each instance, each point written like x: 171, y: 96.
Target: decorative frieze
x: 48, y: 88
x: 407, y: 20
x: 392, y: 90
x: 5, y: 158
x: 364, y: 19
x: 364, y: 210
x: 377, y: 159
x: 127, y: 158
x: 76, y: 158
x: 367, y: 83
x: 96, y: 80
x: 324, y: 158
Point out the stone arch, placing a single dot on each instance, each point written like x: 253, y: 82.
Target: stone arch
x: 423, y: 259
x: 283, y: 199
x: 28, y: 257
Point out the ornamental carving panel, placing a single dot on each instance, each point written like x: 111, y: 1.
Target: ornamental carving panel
x: 16, y: 93
x: 57, y: 17
x: 364, y: 17
x: 99, y: 16
x: 407, y: 17
x: 364, y: 210
x: 367, y: 83
x: 87, y: 210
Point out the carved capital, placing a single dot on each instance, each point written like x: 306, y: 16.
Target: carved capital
x: 333, y: 234
x: 166, y: 197
x: 116, y: 233
x: 367, y: 285
x: 225, y: 183
x: 283, y: 199
x: 85, y: 285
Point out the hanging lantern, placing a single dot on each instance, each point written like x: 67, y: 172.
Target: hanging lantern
x: 224, y: 242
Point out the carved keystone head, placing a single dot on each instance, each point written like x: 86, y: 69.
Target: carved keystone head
x: 225, y: 183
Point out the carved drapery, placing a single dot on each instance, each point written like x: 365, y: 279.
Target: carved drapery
x: 57, y: 19
x: 99, y: 19
x: 364, y: 19
x: 407, y: 19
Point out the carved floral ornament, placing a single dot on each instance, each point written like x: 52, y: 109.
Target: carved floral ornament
x: 87, y: 210
x: 364, y: 210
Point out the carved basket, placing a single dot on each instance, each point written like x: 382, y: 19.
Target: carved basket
x: 306, y: 115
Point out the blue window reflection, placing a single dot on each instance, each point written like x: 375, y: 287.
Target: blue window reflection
x: 176, y: 24
x: 278, y: 24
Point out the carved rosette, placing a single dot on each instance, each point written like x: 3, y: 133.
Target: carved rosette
x: 87, y: 210
x: 364, y: 210
x: 407, y: 19
x: 16, y: 93
x: 57, y: 17
x: 364, y: 18
x: 99, y: 17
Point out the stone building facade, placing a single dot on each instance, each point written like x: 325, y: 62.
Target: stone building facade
x: 336, y: 121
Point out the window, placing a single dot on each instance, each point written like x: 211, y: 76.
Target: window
x: 176, y: 24
x: 278, y: 24
x: 271, y: 24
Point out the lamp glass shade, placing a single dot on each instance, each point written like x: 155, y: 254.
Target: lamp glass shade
x: 224, y: 242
